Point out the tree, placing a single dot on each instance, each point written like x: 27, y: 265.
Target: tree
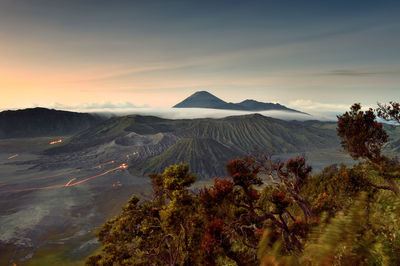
x: 163, y: 231
x: 363, y: 137
x: 222, y: 223
x: 269, y: 212
x: 389, y: 112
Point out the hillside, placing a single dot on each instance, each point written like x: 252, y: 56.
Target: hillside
x: 249, y: 133
x: 245, y: 133
x: 393, y: 146
x: 204, y: 143
x: 206, y: 157
x: 118, y: 127
x: 38, y: 122
x: 204, y: 99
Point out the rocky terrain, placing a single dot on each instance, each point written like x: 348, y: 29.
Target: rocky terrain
x: 54, y: 194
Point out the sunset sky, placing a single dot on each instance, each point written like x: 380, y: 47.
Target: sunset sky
x: 309, y: 55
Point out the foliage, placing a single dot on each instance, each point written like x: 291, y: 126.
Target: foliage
x: 363, y: 137
x: 389, y: 112
x: 221, y: 223
x: 268, y: 212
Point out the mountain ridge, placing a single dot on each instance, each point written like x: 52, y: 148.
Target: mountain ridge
x: 39, y: 121
x: 205, y: 143
x: 204, y: 99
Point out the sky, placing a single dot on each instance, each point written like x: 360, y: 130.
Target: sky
x: 314, y: 56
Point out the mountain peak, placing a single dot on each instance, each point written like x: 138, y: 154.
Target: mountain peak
x: 202, y: 93
x: 204, y: 99
x: 201, y: 99
x: 249, y: 101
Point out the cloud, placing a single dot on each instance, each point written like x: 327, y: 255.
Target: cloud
x: 192, y: 113
x: 320, y: 110
x: 103, y: 106
x: 128, y: 72
x: 311, y: 105
x: 360, y: 72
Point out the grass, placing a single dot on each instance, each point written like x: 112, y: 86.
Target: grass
x: 60, y: 255
x: 53, y: 255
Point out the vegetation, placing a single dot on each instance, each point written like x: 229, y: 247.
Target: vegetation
x: 269, y: 212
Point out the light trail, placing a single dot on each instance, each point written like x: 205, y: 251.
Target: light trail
x: 30, y: 189
x: 69, y: 183
x: 55, y: 141
x: 43, y: 177
x: 50, y: 176
x: 104, y: 164
x: 13, y: 156
x: 122, y: 166
x: 59, y: 174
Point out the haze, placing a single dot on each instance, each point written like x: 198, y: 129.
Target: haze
x: 315, y: 56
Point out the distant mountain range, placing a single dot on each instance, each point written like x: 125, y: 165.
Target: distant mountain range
x: 38, y: 122
x: 204, y: 99
x: 207, y: 144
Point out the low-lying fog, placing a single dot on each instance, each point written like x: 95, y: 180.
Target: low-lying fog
x: 188, y: 113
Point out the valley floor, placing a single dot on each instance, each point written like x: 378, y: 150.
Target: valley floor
x: 51, y: 213
x: 51, y: 206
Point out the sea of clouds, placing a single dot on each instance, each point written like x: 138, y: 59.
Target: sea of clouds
x: 190, y: 113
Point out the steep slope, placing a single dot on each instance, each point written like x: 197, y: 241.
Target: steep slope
x: 205, y: 143
x: 118, y: 127
x: 205, y: 156
x: 37, y: 122
x: 254, y: 132
x: 201, y: 99
x: 96, y: 135
x: 245, y: 133
x: 147, y: 146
